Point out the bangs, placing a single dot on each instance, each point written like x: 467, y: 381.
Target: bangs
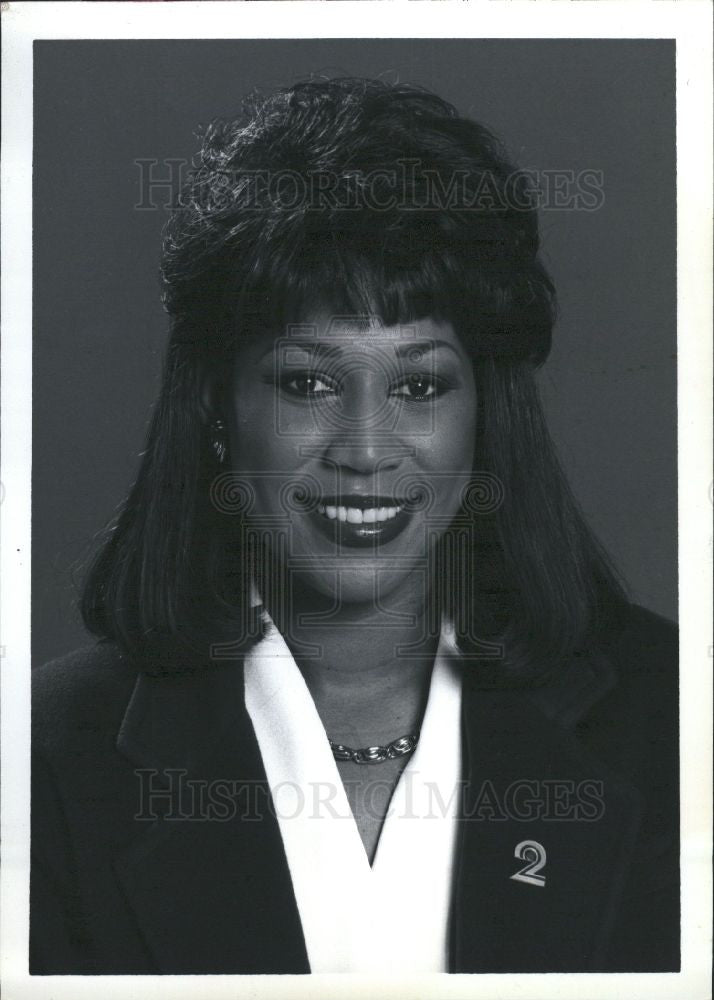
x: 395, y: 270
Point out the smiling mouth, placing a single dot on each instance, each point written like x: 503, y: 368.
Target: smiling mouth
x: 359, y: 515
x: 360, y: 521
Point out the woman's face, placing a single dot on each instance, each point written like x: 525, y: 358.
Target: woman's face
x: 355, y: 442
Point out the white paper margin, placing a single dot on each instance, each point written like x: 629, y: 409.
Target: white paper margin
x: 689, y: 22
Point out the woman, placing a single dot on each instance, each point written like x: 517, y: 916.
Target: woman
x: 367, y: 695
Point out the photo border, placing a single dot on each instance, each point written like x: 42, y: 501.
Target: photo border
x: 687, y: 21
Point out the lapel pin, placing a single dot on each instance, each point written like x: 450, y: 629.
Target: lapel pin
x: 533, y: 854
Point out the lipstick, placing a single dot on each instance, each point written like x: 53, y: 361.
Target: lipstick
x: 359, y: 520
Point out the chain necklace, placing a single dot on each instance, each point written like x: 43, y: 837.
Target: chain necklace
x: 375, y: 755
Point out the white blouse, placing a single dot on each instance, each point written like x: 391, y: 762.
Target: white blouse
x: 391, y: 917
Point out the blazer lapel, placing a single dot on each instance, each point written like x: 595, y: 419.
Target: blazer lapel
x: 528, y: 779
x: 208, y: 882
x: 206, y: 877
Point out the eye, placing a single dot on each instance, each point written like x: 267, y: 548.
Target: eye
x: 307, y: 385
x: 417, y: 387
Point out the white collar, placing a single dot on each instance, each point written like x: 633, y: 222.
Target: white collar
x: 392, y: 916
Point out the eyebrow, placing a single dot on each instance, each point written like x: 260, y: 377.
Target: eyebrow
x: 327, y: 350
x: 425, y: 346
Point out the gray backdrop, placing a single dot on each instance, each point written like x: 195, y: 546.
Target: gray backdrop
x: 99, y: 329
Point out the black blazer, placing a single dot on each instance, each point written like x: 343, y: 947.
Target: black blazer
x: 113, y: 893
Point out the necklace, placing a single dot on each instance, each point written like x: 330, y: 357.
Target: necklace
x: 375, y: 755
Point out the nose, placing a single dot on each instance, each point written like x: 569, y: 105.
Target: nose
x: 363, y: 457
x: 361, y: 441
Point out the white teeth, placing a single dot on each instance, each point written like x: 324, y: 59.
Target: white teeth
x: 355, y: 515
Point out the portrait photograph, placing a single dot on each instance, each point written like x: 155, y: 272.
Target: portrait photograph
x: 359, y: 598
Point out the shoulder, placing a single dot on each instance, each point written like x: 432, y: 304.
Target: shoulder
x: 629, y: 664
x: 643, y: 648
x: 642, y: 633
x: 635, y: 725
x: 88, y: 688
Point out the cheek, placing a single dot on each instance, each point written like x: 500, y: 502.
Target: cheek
x: 254, y: 437
x: 260, y: 455
x: 446, y: 456
x: 449, y: 447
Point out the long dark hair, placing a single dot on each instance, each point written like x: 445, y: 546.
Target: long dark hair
x: 372, y: 198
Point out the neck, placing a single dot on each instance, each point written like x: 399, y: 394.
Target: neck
x: 367, y: 666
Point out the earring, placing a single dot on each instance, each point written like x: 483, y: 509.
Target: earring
x: 218, y: 440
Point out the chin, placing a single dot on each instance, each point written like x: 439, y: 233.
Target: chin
x: 356, y: 585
